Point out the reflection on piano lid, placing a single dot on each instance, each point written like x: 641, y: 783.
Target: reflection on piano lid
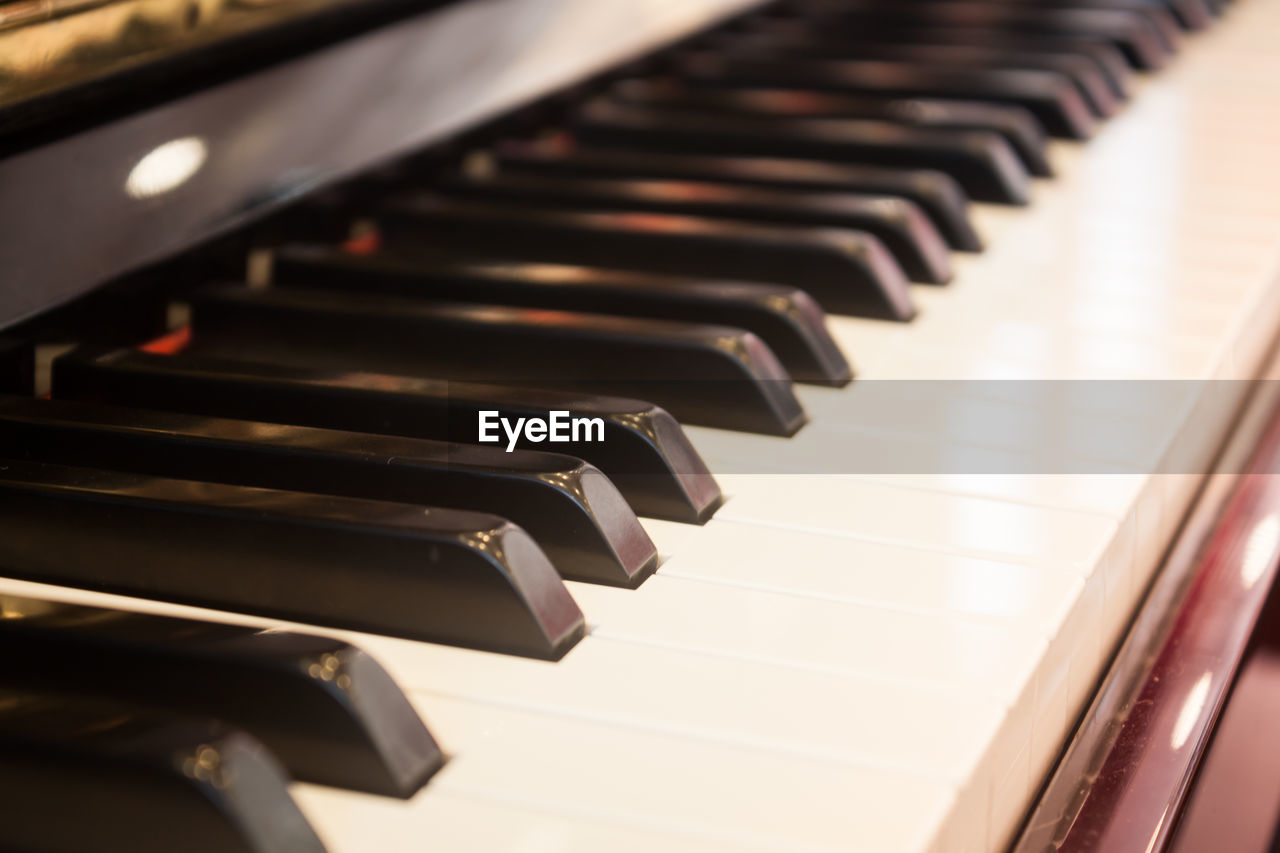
x: 709, y: 626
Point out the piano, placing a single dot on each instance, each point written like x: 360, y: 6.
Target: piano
x: 713, y: 425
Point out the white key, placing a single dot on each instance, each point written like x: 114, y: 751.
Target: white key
x: 658, y: 783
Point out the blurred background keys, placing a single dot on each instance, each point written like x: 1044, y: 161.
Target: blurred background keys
x: 786, y: 319
x: 897, y: 223
x: 981, y: 162
x: 847, y: 272
x: 1048, y: 95
x: 934, y: 192
x: 1018, y: 127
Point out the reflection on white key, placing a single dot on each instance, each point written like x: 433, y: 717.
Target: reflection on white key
x: 913, y: 580
x: 442, y: 821
x: 836, y: 637
x: 966, y: 525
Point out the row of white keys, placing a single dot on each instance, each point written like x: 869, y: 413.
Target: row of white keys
x: 854, y: 662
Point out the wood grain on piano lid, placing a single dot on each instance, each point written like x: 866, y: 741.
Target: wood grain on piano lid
x: 570, y: 509
x: 45, y: 44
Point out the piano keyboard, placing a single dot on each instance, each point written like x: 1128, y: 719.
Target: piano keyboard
x: 861, y: 659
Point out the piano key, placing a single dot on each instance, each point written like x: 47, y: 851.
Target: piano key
x: 480, y: 723
x: 570, y: 509
x: 1141, y: 42
x: 1159, y: 20
x: 869, y: 509
x: 897, y: 223
x: 324, y: 708
x: 1048, y: 95
x: 712, y: 375
x: 937, y: 194
x: 847, y: 272
x: 1188, y: 14
x: 982, y: 163
x: 680, y: 794
x: 726, y: 698
x: 645, y: 452
x: 17, y: 366
x: 469, y: 821
x: 79, y: 776
x: 438, y: 575
x: 934, y: 581
x: 1193, y: 15
x: 1018, y: 127
x: 839, y: 637
x: 1106, y: 57
x: 786, y: 319
x: 1082, y: 71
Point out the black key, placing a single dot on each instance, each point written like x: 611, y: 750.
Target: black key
x: 937, y: 194
x: 429, y: 574
x: 1188, y: 14
x: 982, y: 163
x: 710, y: 375
x: 1106, y: 57
x: 1018, y: 127
x: 645, y: 453
x: 327, y: 710
x: 897, y: 223
x: 81, y: 776
x: 1141, y: 43
x: 570, y: 509
x: 1158, y: 19
x: 17, y: 366
x: 1193, y: 15
x: 786, y: 319
x: 1079, y: 69
x: 847, y: 272
x: 1048, y: 95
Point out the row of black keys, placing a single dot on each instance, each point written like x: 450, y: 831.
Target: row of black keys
x: 794, y: 145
